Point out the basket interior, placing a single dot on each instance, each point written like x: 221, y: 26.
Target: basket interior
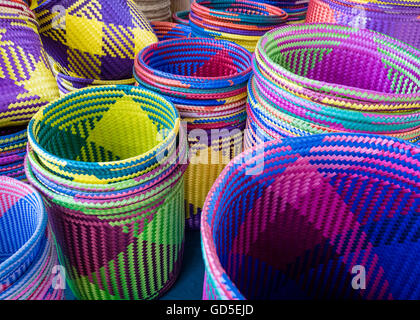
x: 339, y: 61
x: 197, y: 60
x: 102, y: 127
x: 17, y: 213
x: 297, y: 230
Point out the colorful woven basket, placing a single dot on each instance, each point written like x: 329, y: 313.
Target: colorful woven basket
x: 401, y: 22
x: 26, y: 81
x: 301, y: 85
x: 114, y: 189
x: 182, y: 17
x: 27, y: 254
x: 168, y: 30
x: 240, y: 21
x: 310, y: 217
x: 94, y: 39
x: 206, y: 80
x: 295, y: 9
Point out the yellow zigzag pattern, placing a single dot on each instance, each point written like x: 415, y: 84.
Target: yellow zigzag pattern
x: 89, y: 9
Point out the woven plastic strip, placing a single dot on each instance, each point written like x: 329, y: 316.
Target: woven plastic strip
x: 27, y: 254
x: 169, y: 30
x: 301, y: 86
x: 26, y: 81
x: 401, y: 22
x: 13, y: 142
x: 295, y: 9
x: 182, y: 17
x: 67, y: 84
x: 119, y: 238
x: 294, y: 219
x: 102, y: 139
x: 206, y: 80
x: 94, y: 39
x: 240, y: 21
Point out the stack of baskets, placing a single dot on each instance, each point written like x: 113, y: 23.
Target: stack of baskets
x: 206, y: 80
x: 400, y: 20
x: 94, y: 42
x: 308, y: 217
x: 240, y: 21
x: 155, y: 10
x: 26, y: 82
x: 182, y: 17
x: 27, y: 252
x: 168, y: 30
x: 109, y: 162
x: 320, y: 78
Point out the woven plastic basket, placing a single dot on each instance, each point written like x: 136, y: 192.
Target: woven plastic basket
x: 206, y: 80
x: 120, y: 199
x: 27, y: 254
x: 94, y: 39
x: 401, y: 22
x: 240, y: 21
x: 315, y: 218
x: 26, y: 81
x: 301, y: 85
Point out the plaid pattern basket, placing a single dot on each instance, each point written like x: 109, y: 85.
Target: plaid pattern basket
x: 300, y: 218
x: 26, y: 81
x: 401, y: 22
x: 94, y: 39
x: 206, y: 80
x: 27, y: 253
x: 301, y: 85
x: 240, y: 21
x: 111, y: 173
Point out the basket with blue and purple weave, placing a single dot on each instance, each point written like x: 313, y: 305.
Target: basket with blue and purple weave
x: 27, y: 252
x: 206, y: 80
x: 331, y: 216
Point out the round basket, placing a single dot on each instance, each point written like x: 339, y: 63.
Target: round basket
x: 206, y: 80
x: 400, y: 22
x: 27, y: 254
x: 26, y: 80
x: 182, y: 17
x: 319, y: 217
x: 240, y: 21
x: 13, y: 142
x: 301, y: 85
x: 94, y: 40
x: 126, y: 211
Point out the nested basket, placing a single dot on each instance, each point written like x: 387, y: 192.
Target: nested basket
x: 94, y: 40
x: 159, y: 10
x: 302, y: 86
x: 206, y: 80
x: 240, y: 21
x: 26, y: 81
x: 295, y: 9
x: 117, y: 209
x: 398, y: 21
x: 27, y: 253
x: 313, y: 218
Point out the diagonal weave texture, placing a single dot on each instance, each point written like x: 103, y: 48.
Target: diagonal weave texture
x: 94, y: 39
x: 290, y: 219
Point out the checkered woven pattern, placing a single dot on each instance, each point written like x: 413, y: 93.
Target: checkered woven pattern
x: 314, y: 218
x: 94, y: 39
